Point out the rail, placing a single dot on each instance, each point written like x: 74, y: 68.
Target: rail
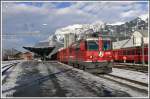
x: 131, y: 64
x: 7, y: 67
x: 134, y: 81
x: 139, y: 86
x: 134, y: 67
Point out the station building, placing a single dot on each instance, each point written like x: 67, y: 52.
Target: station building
x: 135, y: 40
x: 27, y: 56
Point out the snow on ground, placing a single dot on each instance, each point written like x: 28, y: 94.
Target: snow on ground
x: 108, y: 84
x: 138, y: 76
x: 11, y: 80
x: 4, y: 63
x: 28, y: 80
x: 7, y: 73
x: 70, y: 86
x: 73, y: 83
x: 42, y: 69
x: 86, y: 80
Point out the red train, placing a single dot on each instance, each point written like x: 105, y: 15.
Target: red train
x: 93, y: 55
x: 133, y: 54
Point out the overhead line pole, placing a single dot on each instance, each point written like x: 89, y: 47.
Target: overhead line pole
x: 143, y: 60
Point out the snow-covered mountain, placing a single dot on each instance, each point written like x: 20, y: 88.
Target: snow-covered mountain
x: 81, y: 29
x: 78, y: 29
x: 144, y: 17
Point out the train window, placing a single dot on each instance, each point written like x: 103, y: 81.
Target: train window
x: 120, y: 52
x: 92, y: 45
x: 106, y: 45
x: 128, y: 52
x: 77, y: 48
x: 138, y: 52
x: 124, y: 52
x: 145, y: 52
x: 133, y: 51
x: 70, y: 50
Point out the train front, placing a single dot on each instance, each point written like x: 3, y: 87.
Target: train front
x: 99, y: 56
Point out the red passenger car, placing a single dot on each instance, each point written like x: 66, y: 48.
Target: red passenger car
x: 133, y: 54
x: 92, y: 54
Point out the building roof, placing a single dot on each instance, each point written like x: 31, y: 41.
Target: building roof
x: 44, y: 48
x: 40, y: 51
x: 42, y: 45
x: 144, y: 32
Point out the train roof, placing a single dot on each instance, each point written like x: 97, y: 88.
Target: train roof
x: 96, y: 38
x: 88, y: 39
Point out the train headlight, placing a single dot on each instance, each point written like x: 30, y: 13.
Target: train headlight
x: 91, y: 56
x: 101, y: 54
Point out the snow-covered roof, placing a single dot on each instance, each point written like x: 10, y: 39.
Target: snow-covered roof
x: 144, y: 32
x: 123, y: 44
x: 41, y: 44
x: 144, y: 16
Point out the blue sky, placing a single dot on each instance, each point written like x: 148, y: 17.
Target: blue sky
x: 31, y: 22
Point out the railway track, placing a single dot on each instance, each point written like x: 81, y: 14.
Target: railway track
x: 7, y: 67
x: 133, y: 67
x: 135, y: 85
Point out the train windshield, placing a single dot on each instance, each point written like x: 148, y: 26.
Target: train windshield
x: 106, y: 45
x: 92, y: 45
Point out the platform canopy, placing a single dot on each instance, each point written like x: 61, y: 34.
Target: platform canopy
x: 42, y: 49
x: 45, y: 51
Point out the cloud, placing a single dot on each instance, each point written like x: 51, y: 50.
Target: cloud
x: 24, y: 18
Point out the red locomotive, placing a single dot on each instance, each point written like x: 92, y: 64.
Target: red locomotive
x: 93, y: 55
x: 133, y: 54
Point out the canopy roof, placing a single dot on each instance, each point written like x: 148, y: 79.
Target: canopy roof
x: 43, y: 51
